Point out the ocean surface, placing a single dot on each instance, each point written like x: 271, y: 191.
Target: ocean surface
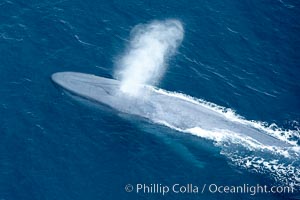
x: 239, y: 58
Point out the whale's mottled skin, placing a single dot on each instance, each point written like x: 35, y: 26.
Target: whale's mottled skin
x: 156, y: 106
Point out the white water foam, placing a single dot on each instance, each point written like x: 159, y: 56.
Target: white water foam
x: 281, y: 163
x: 145, y: 60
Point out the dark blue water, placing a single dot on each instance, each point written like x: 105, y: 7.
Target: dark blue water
x: 242, y: 55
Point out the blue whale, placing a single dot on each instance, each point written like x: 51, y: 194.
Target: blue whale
x: 158, y: 107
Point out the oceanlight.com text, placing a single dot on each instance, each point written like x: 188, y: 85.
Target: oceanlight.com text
x: 163, y: 189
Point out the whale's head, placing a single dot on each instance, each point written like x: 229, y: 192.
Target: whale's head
x: 87, y: 85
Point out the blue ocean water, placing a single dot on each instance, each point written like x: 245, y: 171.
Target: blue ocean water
x: 241, y: 55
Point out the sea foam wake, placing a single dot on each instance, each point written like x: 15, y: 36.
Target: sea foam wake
x: 144, y: 63
x: 280, y: 163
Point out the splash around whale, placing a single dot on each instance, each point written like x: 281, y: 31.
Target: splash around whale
x: 158, y: 106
